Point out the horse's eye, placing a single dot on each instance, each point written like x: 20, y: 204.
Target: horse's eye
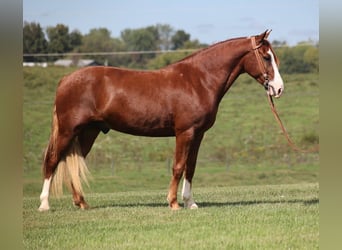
x: 267, y: 58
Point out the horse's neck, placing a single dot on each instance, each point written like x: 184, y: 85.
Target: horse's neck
x: 222, y: 63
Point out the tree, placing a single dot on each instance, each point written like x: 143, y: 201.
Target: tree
x: 277, y: 43
x: 140, y: 39
x: 75, y: 39
x: 302, y: 58
x: 167, y: 58
x: 311, y: 58
x: 143, y: 39
x: 34, y: 41
x: 193, y: 44
x: 165, y: 32
x: 100, y: 40
x: 179, y: 38
x: 59, y: 40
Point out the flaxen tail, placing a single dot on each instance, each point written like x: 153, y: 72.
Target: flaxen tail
x: 71, y: 169
x: 50, y: 153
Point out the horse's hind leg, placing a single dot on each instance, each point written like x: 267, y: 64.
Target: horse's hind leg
x: 53, y: 153
x: 86, y: 139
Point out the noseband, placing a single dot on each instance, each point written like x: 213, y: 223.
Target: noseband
x: 261, y: 64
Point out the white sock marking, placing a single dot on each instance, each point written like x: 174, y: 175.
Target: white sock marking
x: 44, y: 196
x: 187, y: 195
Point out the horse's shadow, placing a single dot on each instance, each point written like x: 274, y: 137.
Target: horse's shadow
x: 258, y: 202
x: 306, y: 202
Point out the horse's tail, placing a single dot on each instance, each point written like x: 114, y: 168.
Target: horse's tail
x: 71, y: 169
x: 50, y: 151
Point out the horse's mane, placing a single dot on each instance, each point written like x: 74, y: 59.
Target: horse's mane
x: 208, y: 48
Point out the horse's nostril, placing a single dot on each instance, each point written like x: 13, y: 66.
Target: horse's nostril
x: 279, y: 91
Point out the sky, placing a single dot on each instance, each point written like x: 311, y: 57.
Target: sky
x: 212, y: 21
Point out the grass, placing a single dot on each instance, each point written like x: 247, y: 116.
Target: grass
x: 156, y: 176
x: 245, y: 217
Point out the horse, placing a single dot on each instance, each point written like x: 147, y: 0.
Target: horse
x: 180, y: 100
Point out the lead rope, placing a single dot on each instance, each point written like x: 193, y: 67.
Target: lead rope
x: 290, y: 142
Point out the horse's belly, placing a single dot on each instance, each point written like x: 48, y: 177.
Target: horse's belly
x: 141, y: 125
x: 141, y: 131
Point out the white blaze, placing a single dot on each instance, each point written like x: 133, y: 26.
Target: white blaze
x: 277, y: 84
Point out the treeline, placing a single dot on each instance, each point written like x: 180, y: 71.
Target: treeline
x: 302, y: 58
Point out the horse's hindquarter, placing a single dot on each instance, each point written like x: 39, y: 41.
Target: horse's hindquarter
x: 148, y: 103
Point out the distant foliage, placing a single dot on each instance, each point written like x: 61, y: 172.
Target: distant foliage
x: 34, y: 41
x: 302, y: 58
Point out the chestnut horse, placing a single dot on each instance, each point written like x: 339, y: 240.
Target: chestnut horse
x: 179, y: 100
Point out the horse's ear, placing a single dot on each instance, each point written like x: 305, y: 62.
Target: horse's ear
x: 263, y: 36
x: 266, y: 34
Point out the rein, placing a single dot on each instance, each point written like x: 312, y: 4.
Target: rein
x: 271, y: 103
x: 281, y: 125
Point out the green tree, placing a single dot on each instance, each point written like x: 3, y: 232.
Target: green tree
x: 167, y: 58
x: 75, y: 39
x: 59, y: 40
x: 277, y: 43
x: 143, y: 39
x: 165, y: 33
x: 302, y: 58
x: 193, y: 44
x: 179, y: 38
x: 100, y: 40
x: 311, y: 58
x: 34, y: 41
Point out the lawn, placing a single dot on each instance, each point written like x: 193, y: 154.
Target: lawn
x: 244, y: 217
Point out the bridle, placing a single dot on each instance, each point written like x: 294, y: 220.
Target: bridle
x: 267, y: 86
x: 261, y: 64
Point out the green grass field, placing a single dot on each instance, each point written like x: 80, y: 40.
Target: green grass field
x: 254, y: 192
x: 245, y: 217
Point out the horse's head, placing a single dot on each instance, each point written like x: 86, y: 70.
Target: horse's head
x: 262, y: 64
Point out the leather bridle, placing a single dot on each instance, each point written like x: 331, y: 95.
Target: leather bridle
x: 261, y: 64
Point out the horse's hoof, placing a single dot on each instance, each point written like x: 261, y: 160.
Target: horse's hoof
x: 190, y: 204
x: 44, y: 206
x: 175, y: 207
x: 193, y: 206
x: 84, y: 206
x: 43, y: 209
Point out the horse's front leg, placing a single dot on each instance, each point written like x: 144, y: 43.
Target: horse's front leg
x: 189, y: 173
x: 186, y: 153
